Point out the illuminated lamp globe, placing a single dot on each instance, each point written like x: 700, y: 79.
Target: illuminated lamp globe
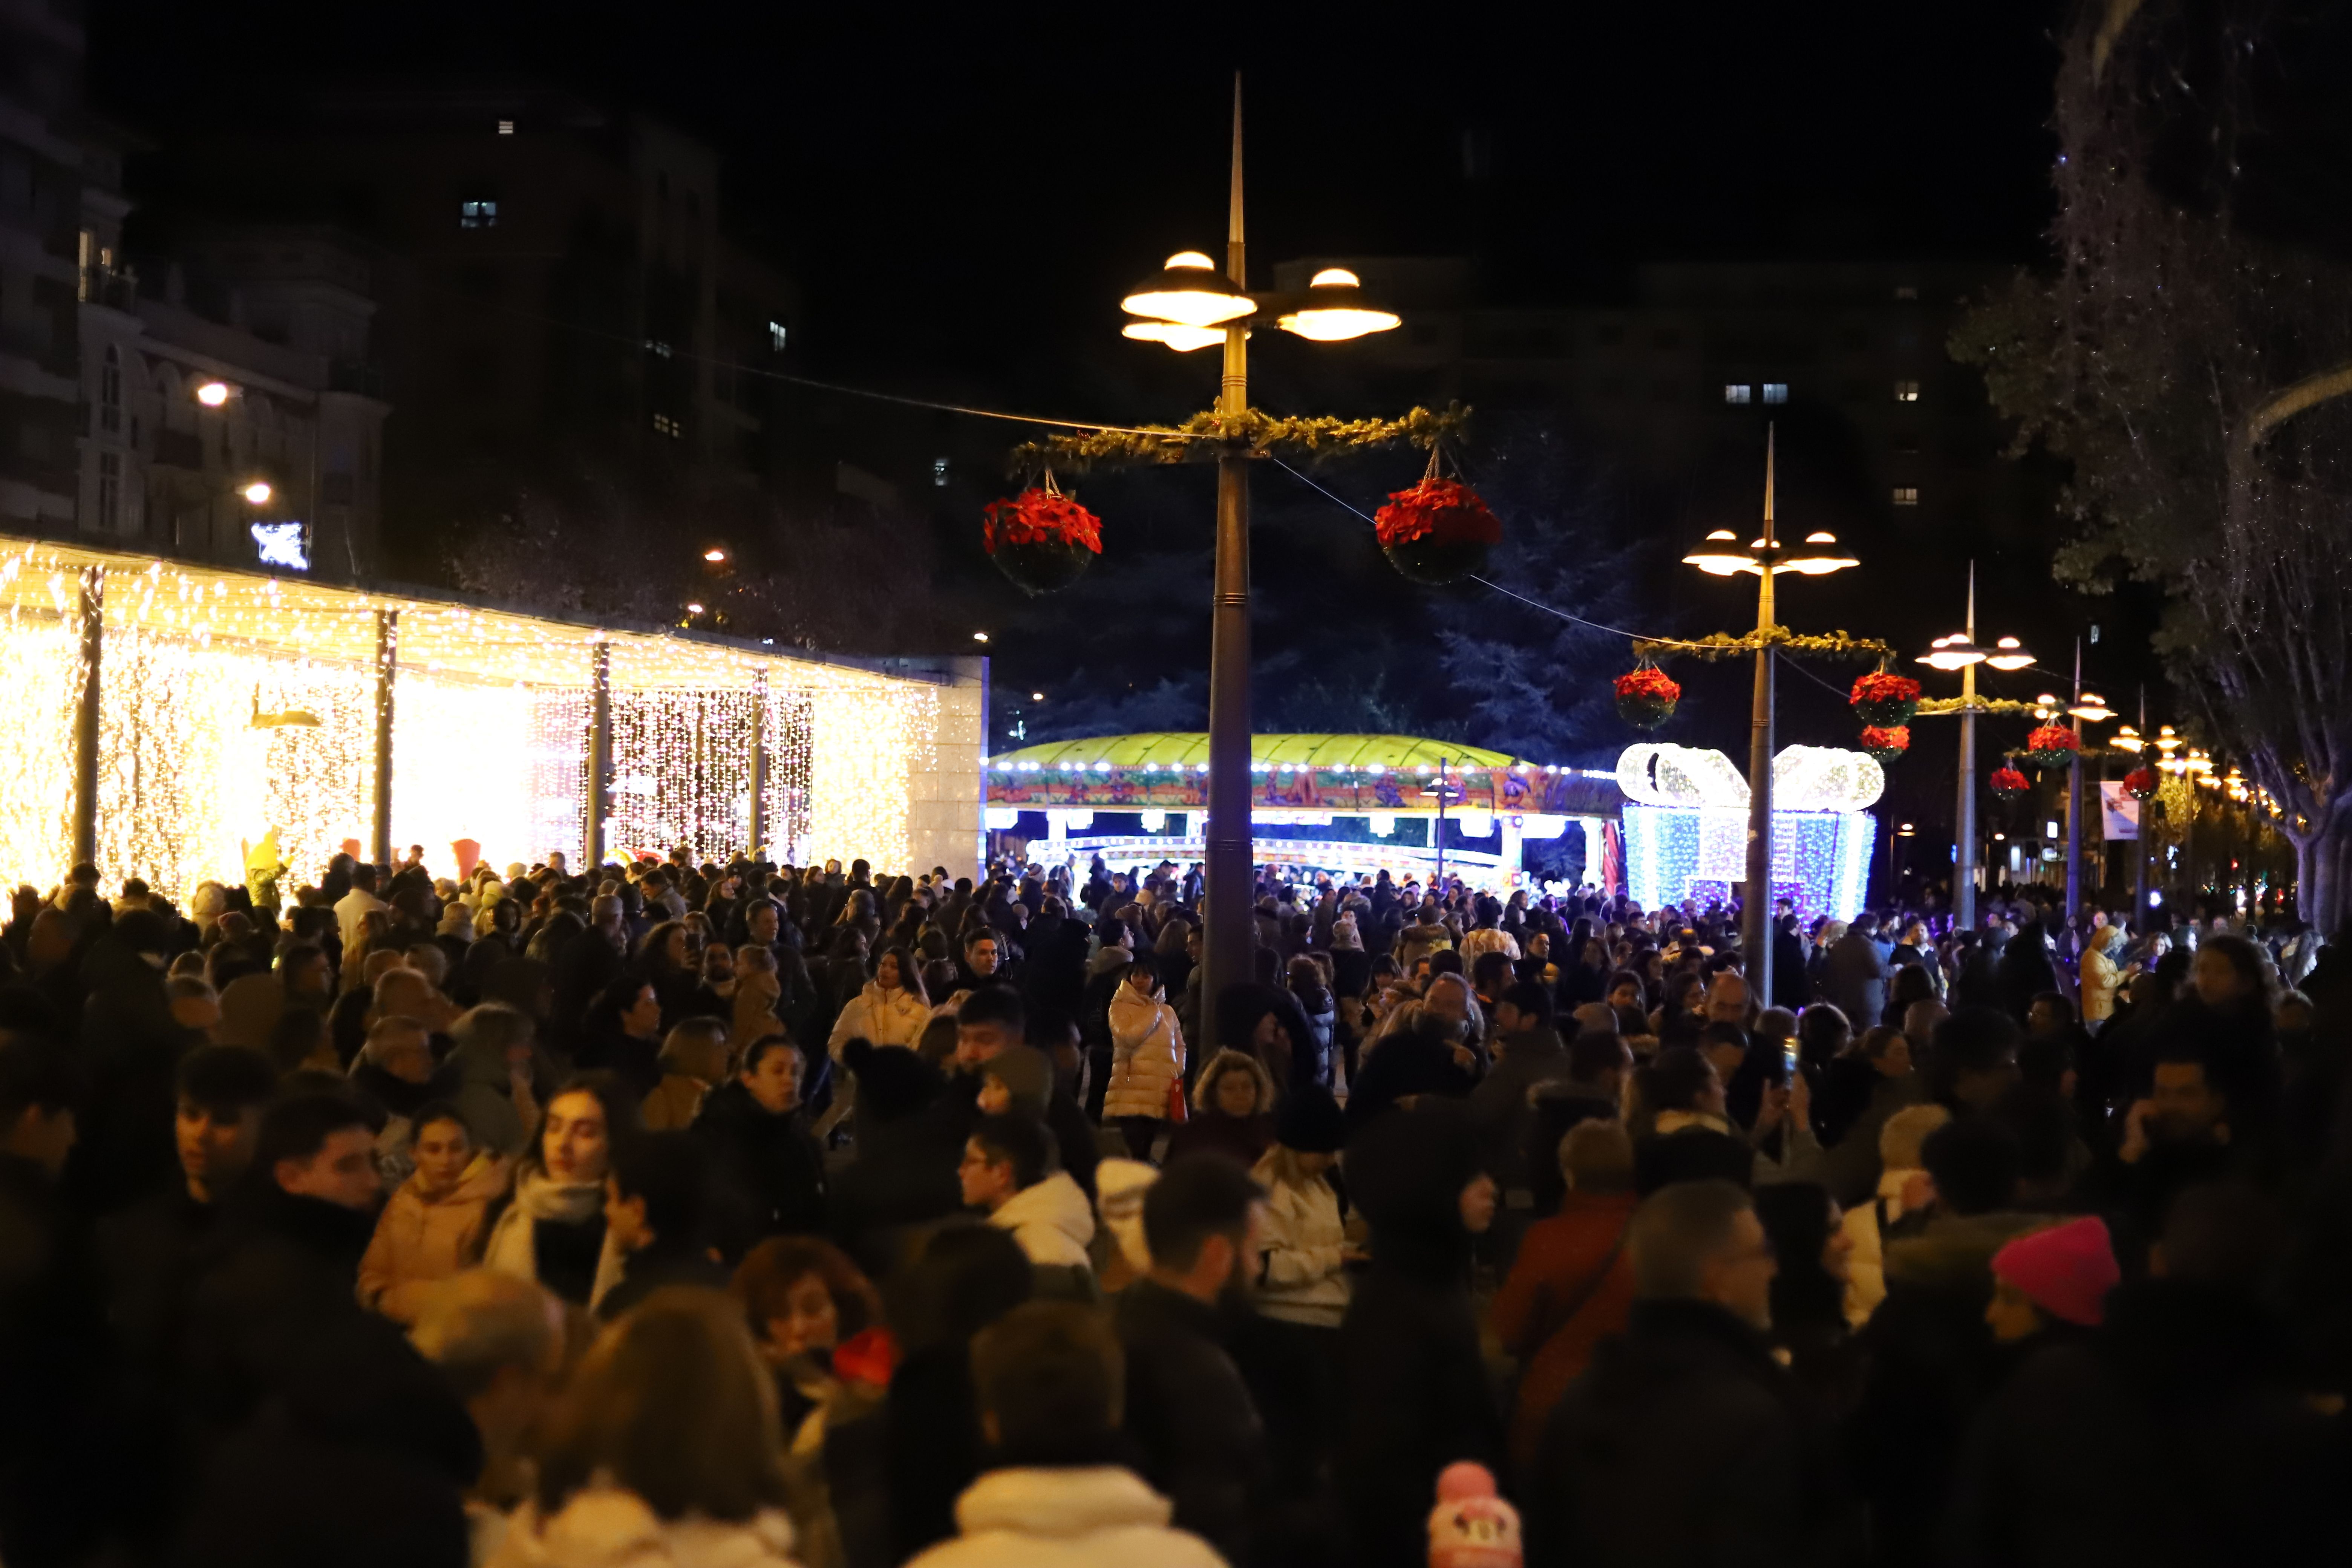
x: 1189, y: 290
x: 258, y: 492
x: 2009, y: 654
x: 212, y: 394
x: 2091, y: 708
x: 1953, y: 652
x: 1175, y: 334
x: 1335, y: 310
x: 1724, y: 559
x: 1825, y: 559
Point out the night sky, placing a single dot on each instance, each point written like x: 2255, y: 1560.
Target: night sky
x: 963, y: 196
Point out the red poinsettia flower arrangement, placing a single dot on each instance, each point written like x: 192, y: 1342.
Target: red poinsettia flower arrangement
x: 1650, y: 684
x: 1886, y: 700
x: 1885, y: 742
x: 1038, y: 516
x: 2140, y: 784
x: 2008, y: 781
x: 1439, y: 511
x: 2052, y: 746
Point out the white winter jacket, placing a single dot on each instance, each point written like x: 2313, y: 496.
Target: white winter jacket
x: 1306, y: 1282
x: 892, y: 1018
x: 605, y: 1527
x: 1052, y: 1222
x: 1066, y: 1518
x: 1147, y: 1055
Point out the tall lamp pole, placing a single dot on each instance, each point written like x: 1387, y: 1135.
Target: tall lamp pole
x: 2086, y: 706
x: 1767, y: 557
x: 1188, y: 306
x: 1960, y: 652
x: 1225, y: 944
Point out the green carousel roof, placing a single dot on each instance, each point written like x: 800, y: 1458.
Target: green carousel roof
x: 1176, y: 749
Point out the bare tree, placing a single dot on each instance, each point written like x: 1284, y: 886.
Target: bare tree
x: 2190, y: 353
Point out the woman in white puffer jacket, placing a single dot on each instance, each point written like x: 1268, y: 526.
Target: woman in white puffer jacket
x: 891, y: 1010
x: 1147, y: 1056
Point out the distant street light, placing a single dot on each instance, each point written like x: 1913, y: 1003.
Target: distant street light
x: 714, y: 555
x: 1960, y: 651
x: 980, y: 636
x: 212, y: 394
x: 257, y: 492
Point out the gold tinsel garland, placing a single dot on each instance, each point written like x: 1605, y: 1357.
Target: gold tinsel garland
x: 1722, y: 644
x: 1932, y: 707
x: 1204, y: 436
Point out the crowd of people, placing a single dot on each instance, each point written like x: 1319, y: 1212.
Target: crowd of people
x: 666, y: 1213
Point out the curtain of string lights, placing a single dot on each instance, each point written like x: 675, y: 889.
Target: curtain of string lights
x: 237, y: 716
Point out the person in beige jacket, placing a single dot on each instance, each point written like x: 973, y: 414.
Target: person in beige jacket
x: 2102, y: 972
x: 1147, y: 1056
x: 431, y: 1228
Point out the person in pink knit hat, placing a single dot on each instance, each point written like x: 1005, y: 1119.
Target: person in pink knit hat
x: 2059, y: 1275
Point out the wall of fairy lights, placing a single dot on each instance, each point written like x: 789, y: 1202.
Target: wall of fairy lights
x: 1820, y: 858
x: 237, y: 711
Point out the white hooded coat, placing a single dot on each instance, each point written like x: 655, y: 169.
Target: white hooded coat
x: 1066, y: 1518
x: 1052, y: 1222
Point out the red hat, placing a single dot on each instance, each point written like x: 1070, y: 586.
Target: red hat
x: 2066, y: 1270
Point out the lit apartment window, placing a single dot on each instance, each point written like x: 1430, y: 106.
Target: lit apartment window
x: 666, y: 425
x: 1735, y: 393
x: 940, y: 472
x: 776, y: 337
x: 506, y: 127
x: 1906, y: 391
x: 1906, y: 495
x: 657, y: 349
x: 1776, y: 392
x: 478, y: 215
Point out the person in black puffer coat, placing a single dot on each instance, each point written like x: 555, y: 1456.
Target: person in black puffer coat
x: 1417, y: 1396
x: 771, y: 1171
x: 904, y: 1175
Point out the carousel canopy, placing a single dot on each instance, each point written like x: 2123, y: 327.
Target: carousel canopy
x: 1170, y: 750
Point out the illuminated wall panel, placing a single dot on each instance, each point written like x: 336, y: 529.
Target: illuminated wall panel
x: 462, y: 768
x: 866, y: 747
x: 40, y: 675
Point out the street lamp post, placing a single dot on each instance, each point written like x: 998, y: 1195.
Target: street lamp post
x: 1187, y: 306
x: 1962, y: 654
x: 2085, y: 707
x: 1767, y: 557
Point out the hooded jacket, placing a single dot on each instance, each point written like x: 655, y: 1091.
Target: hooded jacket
x: 420, y: 1239
x: 1074, y: 1518
x: 1052, y: 1222
x: 606, y: 1527
x: 1147, y: 1055
x: 892, y: 1018
x: 1303, y: 1241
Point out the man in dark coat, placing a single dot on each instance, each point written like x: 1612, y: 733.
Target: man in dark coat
x: 284, y: 1270
x: 770, y: 1168
x: 1188, y: 1410
x: 1416, y: 1391
x: 1687, y: 1443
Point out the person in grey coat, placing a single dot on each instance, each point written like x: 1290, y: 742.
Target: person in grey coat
x: 1855, y: 976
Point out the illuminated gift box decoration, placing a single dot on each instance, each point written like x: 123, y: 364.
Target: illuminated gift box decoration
x: 1687, y: 825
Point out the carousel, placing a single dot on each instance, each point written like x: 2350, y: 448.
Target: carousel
x: 1344, y: 804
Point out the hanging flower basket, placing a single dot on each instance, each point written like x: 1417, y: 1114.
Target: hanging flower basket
x: 1885, y: 743
x: 1041, y: 538
x: 2140, y: 784
x: 1885, y: 701
x: 1647, y: 697
x: 2052, y: 746
x: 1438, y: 531
x: 2008, y: 783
